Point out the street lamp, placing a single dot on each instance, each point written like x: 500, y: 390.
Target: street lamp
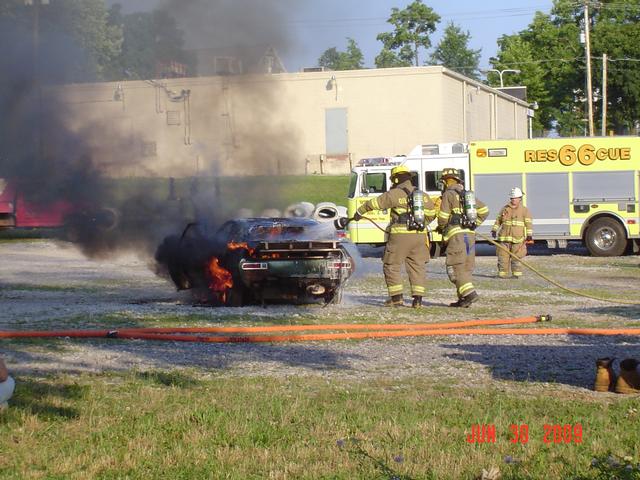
x: 501, y: 72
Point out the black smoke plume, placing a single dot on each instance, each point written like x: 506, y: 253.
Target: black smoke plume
x: 49, y: 161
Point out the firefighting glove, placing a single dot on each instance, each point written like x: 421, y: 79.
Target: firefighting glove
x: 357, y: 216
x: 494, y: 234
x: 529, y: 239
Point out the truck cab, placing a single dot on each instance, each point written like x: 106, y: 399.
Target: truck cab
x: 372, y: 177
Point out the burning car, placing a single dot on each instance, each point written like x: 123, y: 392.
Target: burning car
x: 258, y: 260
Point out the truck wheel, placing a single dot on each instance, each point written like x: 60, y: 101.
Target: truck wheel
x: 606, y: 238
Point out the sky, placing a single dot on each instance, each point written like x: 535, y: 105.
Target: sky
x: 317, y: 25
x: 329, y: 22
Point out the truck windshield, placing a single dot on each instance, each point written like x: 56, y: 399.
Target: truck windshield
x: 432, y: 180
x: 375, y: 182
x: 352, y: 185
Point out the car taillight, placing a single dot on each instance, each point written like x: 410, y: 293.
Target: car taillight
x: 254, y: 266
x: 345, y: 264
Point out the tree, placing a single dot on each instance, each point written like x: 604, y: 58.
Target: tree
x: 150, y: 38
x: 616, y: 32
x: 515, y: 53
x: 352, y: 59
x: 453, y: 52
x: 330, y: 58
x: 412, y: 27
x: 388, y: 59
x: 85, y: 22
x: 75, y: 41
x: 552, y: 61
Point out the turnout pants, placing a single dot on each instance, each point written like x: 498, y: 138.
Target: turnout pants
x: 410, y: 249
x: 461, y: 259
x: 505, y: 260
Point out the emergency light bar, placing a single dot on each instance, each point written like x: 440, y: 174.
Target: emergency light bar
x: 373, y: 162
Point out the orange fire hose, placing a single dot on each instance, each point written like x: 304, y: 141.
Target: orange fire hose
x: 364, y: 335
x: 176, y: 334
x: 265, y: 329
x: 341, y: 326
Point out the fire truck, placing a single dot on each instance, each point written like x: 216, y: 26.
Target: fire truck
x: 18, y: 211
x: 584, y: 189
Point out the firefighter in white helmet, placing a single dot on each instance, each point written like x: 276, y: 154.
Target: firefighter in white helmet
x: 513, y: 229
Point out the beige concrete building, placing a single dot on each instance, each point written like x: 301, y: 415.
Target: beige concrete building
x: 288, y: 123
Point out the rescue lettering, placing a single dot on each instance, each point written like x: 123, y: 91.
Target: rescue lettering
x: 586, y: 154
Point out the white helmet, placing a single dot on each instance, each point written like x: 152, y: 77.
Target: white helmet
x: 516, y: 193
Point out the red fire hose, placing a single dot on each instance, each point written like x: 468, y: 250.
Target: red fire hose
x: 179, y: 334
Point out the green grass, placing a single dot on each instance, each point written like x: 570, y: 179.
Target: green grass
x: 164, y: 424
x: 252, y: 192
x: 140, y: 199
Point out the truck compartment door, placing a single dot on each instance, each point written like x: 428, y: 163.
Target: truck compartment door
x: 547, y: 197
x: 493, y: 189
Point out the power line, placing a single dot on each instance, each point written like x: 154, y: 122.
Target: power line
x: 480, y: 14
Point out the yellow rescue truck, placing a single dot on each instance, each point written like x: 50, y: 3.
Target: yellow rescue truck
x: 582, y: 189
x: 576, y: 188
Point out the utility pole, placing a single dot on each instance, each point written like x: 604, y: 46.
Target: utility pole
x: 588, y: 53
x: 36, y: 4
x: 604, y: 94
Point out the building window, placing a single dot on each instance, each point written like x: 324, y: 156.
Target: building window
x: 173, y: 117
x: 149, y: 149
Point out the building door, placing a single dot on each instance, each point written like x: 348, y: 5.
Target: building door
x: 336, y: 132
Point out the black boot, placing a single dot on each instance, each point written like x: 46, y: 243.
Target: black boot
x: 417, y: 301
x: 467, y: 300
x: 394, y: 301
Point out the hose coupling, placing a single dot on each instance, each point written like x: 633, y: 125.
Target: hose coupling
x: 543, y: 318
x: 112, y: 334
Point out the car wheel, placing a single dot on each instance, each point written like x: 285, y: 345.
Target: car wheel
x: 238, y: 295
x: 606, y: 237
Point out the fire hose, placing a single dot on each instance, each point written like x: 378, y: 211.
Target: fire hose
x: 348, y: 331
x: 528, y: 265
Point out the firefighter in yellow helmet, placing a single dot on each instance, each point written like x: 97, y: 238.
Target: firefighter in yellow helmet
x: 406, y: 243
x: 457, y: 227
x: 513, y: 228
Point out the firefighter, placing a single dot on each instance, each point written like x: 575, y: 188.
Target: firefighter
x: 405, y: 244
x: 457, y: 226
x: 513, y: 228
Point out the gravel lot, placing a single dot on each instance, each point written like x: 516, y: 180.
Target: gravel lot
x: 49, y: 285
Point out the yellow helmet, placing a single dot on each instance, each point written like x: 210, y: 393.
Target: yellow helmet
x: 400, y: 169
x: 451, y: 173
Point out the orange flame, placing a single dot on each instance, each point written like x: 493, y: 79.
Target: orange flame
x: 221, y: 279
x: 238, y: 246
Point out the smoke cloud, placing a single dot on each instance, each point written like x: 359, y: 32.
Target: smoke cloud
x: 50, y: 161
x: 234, y: 23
